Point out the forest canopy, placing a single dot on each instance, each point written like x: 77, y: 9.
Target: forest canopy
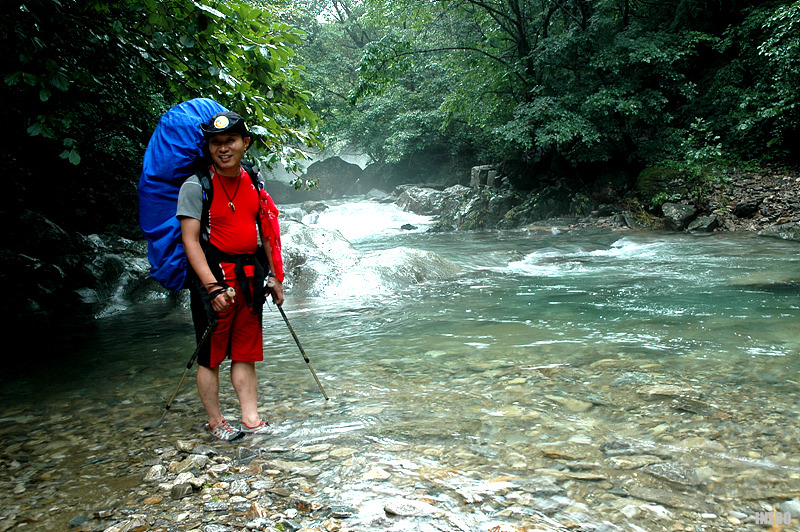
x: 87, y: 81
x: 551, y: 90
x: 559, y: 87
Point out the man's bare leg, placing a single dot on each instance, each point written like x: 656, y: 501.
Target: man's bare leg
x: 245, y: 382
x: 208, y: 389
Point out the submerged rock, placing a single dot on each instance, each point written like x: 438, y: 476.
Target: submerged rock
x: 409, y: 508
x: 674, y: 472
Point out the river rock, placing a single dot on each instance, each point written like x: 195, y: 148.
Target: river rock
x: 409, y: 508
x: 688, y: 404
x: 428, y: 201
x: 239, y: 487
x: 179, y: 491
x: 668, y: 498
x: 667, y: 390
x: 791, y: 506
x: 377, y: 473
x: 193, y: 461
x: 632, y: 378
x: 573, y: 405
x: 156, y: 473
x: 704, y: 224
x: 632, y: 462
x: 673, y: 472
x: 215, y: 506
x: 747, y: 208
x: 313, y: 206
x: 184, y: 446
x: 787, y: 231
x: 205, y: 449
x: 678, y: 216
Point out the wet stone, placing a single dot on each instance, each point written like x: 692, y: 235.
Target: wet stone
x: 667, y: 390
x: 791, y: 506
x: 624, y: 448
x: 239, y: 487
x: 573, y: 405
x: 193, y: 461
x: 259, y: 523
x: 216, y: 528
x: 550, y: 505
x: 545, y: 487
x: 79, y: 521
x: 667, y: 498
x: 184, y: 446
x: 286, y: 524
x: 205, y: 449
x: 240, y: 507
x: 687, y: 404
x: 262, y: 484
x: 179, y: 491
x: 215, y: 506
x: 632, y: 462
x: 244, y: 455
x: 409, y: 508
x: 341, y: 512
x: 156, y: 472
x: 673, y: 472
x: 632, y: 378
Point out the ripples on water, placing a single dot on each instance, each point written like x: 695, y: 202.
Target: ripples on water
x: 455, y: 386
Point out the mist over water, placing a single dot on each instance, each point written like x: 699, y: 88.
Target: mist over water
x: 545, y: 339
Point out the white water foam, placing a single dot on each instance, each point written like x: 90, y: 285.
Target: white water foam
x: 359, y: 220
x: 554, y: 262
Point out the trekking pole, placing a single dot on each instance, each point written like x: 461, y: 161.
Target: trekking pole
x: 303, y: 352
x: 270, y: 284
x: 230, y: 293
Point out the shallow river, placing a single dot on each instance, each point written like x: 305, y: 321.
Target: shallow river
x: 579, y: 377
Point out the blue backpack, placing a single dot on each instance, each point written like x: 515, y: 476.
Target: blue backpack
x: 174, y: 153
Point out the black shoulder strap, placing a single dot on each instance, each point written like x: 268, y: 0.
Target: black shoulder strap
x: 207, y: 195
x: 253, y: 171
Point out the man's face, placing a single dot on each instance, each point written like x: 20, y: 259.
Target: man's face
x: 227, y: 150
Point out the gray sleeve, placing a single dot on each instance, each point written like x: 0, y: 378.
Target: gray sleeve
x: 190, y: 199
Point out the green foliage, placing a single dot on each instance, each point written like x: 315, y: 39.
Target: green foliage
x: 89, y: 80
x: 561, y: 87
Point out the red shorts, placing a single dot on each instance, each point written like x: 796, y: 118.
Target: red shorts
x: 238, y: 333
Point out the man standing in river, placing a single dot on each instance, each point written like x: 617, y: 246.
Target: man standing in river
x: 223, y: 250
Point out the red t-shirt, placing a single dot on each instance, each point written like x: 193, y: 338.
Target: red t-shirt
x: 233, y: 231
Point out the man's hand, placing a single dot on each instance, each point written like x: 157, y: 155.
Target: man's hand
x: 276, y: 290
x: 224, y: 299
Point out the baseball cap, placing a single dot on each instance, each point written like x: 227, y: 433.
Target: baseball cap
x: 225, y: 122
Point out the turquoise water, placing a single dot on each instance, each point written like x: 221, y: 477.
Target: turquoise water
x: 545, y: 338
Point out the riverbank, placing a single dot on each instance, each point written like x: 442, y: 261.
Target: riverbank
x: 765, y: 202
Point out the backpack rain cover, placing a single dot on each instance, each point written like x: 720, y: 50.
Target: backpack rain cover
x: 171, y: 156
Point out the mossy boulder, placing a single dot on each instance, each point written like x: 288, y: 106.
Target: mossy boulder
x: 659, y: 180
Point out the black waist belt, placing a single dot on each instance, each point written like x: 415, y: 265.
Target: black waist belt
x: 244, y: 260
x: 254, y: 299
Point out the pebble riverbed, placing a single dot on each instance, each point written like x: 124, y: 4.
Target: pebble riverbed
x: 601, y: 444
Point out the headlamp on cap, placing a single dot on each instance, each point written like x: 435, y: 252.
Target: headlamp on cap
x: 226, y: 122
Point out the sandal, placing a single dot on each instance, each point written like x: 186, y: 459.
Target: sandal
x: 262, y: 428
x: 224, y: 431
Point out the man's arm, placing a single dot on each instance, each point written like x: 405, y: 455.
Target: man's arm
x: 190, y: 231
x: 277, y: 290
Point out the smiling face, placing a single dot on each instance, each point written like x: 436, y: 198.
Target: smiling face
x: 227, y: 150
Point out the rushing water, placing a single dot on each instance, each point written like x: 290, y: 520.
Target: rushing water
x: 473, y: 390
